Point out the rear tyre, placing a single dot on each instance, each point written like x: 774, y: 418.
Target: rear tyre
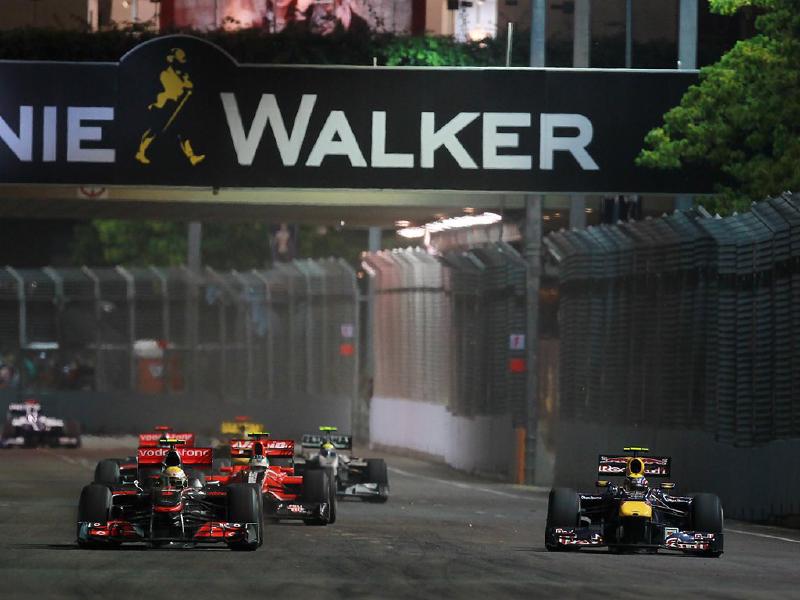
x: 218, y: 463
x: 563, y: 510
x: 707, y: 518
x: 317, y: 490
x: 93, y: 507
x: 331, y: 495
x: 244, y: 506
x: 107, y: 472
x: 73, y: 429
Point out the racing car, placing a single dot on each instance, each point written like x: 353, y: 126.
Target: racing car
x: 367, y: 479
x: 27, y: 427
x: 634, y: 516
x: 164, y: 506
x: 125, y: 470
x: 269, y: 465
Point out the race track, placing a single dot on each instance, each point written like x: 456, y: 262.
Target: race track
x: 441, y: 535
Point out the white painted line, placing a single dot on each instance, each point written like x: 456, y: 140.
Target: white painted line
x: 68, y: 459
x: 763, y: 535
x: 458, y: 484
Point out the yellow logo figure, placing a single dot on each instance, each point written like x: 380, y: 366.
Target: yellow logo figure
x: 169, y: 102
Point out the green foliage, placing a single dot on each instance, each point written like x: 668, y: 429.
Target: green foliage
x: 743, y: 119
x: 106, y: 242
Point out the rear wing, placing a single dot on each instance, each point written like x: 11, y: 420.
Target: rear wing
x: 151, y: 440
x: 340, y: 442
x: 614, y: 464
x: 200, y: 457
x: 240, y: 427
x: 245, y: 448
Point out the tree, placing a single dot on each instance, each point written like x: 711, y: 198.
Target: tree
x: 742, y: 120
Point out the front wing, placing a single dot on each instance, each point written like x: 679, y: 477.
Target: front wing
x: 295, y: 509
x: 673, y: 539
x: 117, y: 532
x: 360, y: 490
x: 44, y: 440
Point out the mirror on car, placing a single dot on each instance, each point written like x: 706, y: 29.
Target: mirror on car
x: 667, y: 485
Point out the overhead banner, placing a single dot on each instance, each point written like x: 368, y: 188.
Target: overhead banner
x: 178, y: 111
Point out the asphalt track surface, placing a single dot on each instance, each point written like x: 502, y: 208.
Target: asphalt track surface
x: 441, y: 535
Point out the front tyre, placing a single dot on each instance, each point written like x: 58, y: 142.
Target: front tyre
x: 707, y: 518
x: 563, y: 511
x: 317, y: 490
x: 93, y: 507
x: 244, y: 506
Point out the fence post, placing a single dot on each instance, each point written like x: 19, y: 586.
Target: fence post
x: 131, y: 296
x: 98, y: 355
x: 248, y: 336
x: 533, y: 243
x: 165, y: 328
x: 58, y: 284
x: 23, y: 323
x: 270, y: 334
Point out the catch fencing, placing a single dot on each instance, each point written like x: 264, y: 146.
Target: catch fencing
x: 442, y: 329
x: 685, y: 321
x: 240, y: 337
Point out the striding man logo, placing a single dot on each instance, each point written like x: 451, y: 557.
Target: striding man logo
x: 166, y: 109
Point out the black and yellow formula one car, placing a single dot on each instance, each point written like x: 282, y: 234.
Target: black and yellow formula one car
x: 633, y: 516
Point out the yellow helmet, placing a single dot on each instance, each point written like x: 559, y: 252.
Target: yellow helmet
x: 327, y: 446
x: 175, y: 476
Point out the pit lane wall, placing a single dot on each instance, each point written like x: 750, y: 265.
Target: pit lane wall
x: 479, y: 444
x: 447, y: 383
x: 754, y: 484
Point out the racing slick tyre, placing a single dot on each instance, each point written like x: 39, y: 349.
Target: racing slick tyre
x: 218, y: 463
x: 94, y: 506
x: 378, y: 473
x: 107, y: 472
x: 317, y: 490
x: 707, y: 517
x: 73, y: 429
x: 244, y: 506
x: 332, y: 482
x: 563, y: 510
x: 8, y: 430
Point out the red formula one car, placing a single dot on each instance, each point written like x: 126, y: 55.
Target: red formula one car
x: 113, y: 471
x: 164, y: 506
x: 310, y: 497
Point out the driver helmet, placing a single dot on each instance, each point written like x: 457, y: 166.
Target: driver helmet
x: 327, y: 449
x: 259, y: 462
x: 176, y: 477
x: 636, y: 482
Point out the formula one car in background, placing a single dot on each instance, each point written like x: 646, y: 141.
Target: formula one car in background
x: 166, y: 506
x: 125, y: 470
x: 27, y: 427
x: 634, y: 516
x: 365, y: 478
x: 269, y: 466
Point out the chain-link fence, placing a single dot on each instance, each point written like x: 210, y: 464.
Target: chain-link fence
x: 240, y: 337
x: 686, y: 321
x: 445, y: 329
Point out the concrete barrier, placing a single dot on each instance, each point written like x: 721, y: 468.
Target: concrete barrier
x: 756, y: 484
x: 481, y: 444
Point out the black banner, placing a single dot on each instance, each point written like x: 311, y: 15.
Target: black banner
x: 178, y: 111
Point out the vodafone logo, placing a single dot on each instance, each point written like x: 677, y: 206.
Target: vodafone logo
x: 183, y: 452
